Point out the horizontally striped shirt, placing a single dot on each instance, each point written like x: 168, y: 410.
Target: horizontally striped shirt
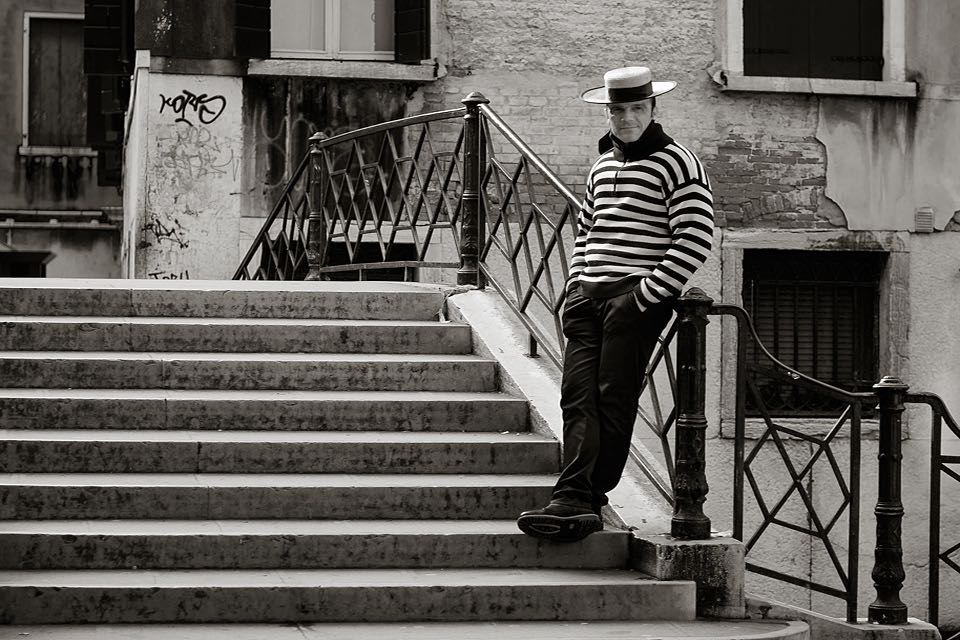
x: 645, y: 225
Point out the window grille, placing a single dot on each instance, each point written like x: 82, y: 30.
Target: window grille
x: 816, y: 311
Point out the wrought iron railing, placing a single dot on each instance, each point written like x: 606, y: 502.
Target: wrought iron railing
x: 460, y: 189
x: 942, y: 466
x: 771, y: 438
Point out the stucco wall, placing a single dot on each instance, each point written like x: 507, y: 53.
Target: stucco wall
x: 189, y: 223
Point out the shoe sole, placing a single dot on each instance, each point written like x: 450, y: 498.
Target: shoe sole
x: 560, y: 528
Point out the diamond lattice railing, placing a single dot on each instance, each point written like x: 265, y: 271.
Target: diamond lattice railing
x: 279, y: 252
x: 393, y: 189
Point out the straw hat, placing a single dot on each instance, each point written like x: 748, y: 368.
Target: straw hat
x: 627, y: 84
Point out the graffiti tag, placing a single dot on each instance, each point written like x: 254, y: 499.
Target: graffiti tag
x: 169, y: 275
x: 172, y: 233
x: 206, y: 108
x: 197, y: 153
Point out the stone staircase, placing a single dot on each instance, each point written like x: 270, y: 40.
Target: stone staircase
x: 327, y: 455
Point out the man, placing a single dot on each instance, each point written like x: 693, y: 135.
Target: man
x: 645, y: 226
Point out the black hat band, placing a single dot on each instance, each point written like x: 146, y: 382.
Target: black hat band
x: 630, y: 94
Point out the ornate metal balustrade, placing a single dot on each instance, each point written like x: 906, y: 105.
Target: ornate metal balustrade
x: 460, y: 189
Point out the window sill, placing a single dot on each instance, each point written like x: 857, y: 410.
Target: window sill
x: 424, y: 72
x: 818, y: 86
x: 73, y: 152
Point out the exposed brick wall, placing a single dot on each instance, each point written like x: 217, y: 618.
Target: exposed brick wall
x: 771, y: 181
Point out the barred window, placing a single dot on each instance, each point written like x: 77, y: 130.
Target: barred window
x: 817, y: 312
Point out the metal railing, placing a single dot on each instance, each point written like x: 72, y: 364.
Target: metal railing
x: 462, y: 182
x: 942, y: 466
x: 772, y: 439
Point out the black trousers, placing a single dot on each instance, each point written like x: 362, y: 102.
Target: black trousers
x: 609, y: 343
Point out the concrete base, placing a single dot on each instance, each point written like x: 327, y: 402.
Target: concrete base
x: 717, y: 566
x: 822, y: 626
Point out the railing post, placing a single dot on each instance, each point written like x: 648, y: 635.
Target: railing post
x: 316, y: 228
x: 471, y: 223
x: 690, y: 482
x: 888, y: 574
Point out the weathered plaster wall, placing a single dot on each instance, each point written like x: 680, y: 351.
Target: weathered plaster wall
x: 78, y: 253
x: 191, y: 191
x: 135, y: 165
x: 52, y: 182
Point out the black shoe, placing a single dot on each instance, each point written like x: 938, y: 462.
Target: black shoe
x: 560, y: 522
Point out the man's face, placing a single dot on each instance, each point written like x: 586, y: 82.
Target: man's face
x: 628, y: 120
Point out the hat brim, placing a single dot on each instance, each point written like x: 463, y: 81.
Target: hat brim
x: 599, y: 95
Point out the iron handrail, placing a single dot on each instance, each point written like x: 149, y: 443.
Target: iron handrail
x: 321, y: 141
x: 259, y: 241
x: 529, y: 154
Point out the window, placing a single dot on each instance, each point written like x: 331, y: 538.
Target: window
x: 852, y: 47
x: 814, y: 39
x: 54, y: 87
x: 337, y: 29
x: 817, y: 312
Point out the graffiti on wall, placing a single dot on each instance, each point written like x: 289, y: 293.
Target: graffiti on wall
x: 169, y: 275
x: 158, y: 232
x: 196, y: 152
x: 206, y: 109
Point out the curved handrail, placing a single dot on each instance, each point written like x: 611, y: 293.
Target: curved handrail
x: 530, y: 155
x: 322, y: 142
x: 722, y: 308
x: 274, y: 213
x: 936, y: 403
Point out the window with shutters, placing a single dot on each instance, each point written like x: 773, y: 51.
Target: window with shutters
x: 817, y: 312
x: 386, y: 30
x: 814, y: 39
x: 851, y: 47
x: 54, y: 87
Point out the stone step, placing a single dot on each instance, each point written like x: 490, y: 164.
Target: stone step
x: 295, y: 544
x: 282, y: 335
x: 352, y: 595
x: 259, y: 409
x: 569, y: 630
x: 385, y: 372
x: 220, y: 299
x: 40, y: 496
x: 178, y: 451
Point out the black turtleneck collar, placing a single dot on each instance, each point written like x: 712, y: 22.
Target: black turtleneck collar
x: 652, y: 140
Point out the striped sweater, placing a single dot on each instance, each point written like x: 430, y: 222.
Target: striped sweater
x: 646, y: 223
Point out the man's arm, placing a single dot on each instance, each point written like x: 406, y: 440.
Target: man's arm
x: 690, y: 210
x: 584, y: 222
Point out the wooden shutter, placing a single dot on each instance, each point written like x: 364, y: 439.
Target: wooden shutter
x: 814, y: 38
x: 776, y: 37
x: 252, y: 29
x: 846, y: 39
x: 411, y: 31
x: 57, y: 90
